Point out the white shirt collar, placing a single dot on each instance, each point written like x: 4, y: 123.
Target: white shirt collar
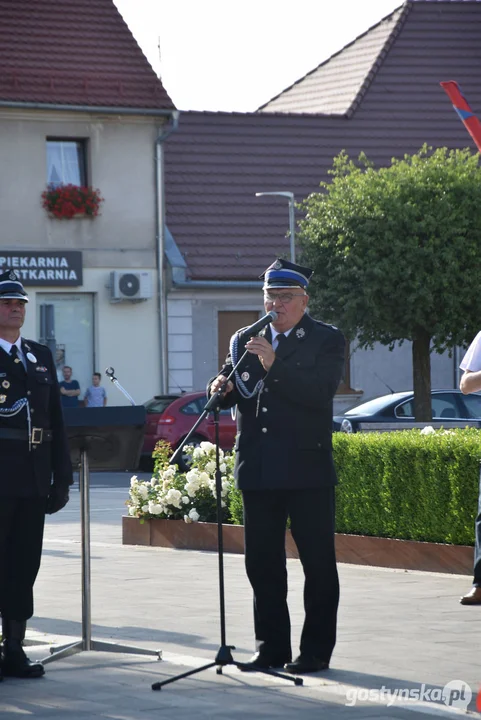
x: 7, y: 346
x: 275, y: 333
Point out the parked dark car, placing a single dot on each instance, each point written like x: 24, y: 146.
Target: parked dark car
x: 448, y: 405
x: 170, y: 417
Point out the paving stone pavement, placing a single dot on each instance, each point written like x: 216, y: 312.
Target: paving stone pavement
x: 399, y: 631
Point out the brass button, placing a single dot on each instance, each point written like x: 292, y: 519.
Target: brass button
x: 264, y: 430
x: 32, y: 410
x: 29, y: 392
x: 264, y: 409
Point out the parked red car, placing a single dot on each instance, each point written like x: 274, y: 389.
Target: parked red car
x: 170, y: 417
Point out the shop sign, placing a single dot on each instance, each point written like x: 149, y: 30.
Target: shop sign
x: 52, y: 269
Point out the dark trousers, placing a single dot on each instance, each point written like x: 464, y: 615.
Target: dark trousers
x: 477, y: 544
x: 21, y: 535
x: 312, y: 527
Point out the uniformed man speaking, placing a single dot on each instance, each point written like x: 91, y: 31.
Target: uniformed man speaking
x: 284, y: 392
x: 35, y: 470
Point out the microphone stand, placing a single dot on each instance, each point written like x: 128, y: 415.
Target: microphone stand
x: 86, y: 643
x: 213, y: 403
x: 224, y: 654
x: 111, y: 376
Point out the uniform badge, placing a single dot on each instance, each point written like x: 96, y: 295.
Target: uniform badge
x: 12, y: 276
x: 300, y: 332
x: 5, y: 384
x: 277, y: 265
x: 41, y: 368
x: 31, y: 357
x: 245, y: 376
x: 3, y: 398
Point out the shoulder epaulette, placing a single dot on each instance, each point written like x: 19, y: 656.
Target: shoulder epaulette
x: 326, y: 325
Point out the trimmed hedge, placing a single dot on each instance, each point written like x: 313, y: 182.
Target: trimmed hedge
x: 409, y: 485
x: 404, y: 485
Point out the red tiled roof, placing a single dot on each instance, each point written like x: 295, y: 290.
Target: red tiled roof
x: 216, y: 162
x: 74, y: 52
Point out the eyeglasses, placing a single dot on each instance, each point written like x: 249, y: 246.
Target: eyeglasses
x: 284, y: 298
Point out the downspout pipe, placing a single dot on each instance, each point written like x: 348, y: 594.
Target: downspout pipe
x: 160, y: 247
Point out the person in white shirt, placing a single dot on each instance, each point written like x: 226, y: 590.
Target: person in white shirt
x: 471, y: 382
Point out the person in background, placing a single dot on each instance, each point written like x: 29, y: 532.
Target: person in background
x: 471, y: 382
x: 95, y: 395
x: 284, y: 393
x: 36, y: 472
x: 69, y: 389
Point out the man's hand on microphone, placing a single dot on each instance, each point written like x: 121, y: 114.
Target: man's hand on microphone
x: 217, y: 384
x: 263, y: 349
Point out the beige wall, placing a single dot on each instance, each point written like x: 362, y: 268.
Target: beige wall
x: 120, y: 164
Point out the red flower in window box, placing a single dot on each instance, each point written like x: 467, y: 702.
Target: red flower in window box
x: 67, y: 201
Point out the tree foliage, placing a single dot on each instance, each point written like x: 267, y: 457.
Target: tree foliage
x: 397, y: 252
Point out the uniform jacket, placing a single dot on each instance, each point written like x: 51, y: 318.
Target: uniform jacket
x: 284, y: 435
x: 29, y: 472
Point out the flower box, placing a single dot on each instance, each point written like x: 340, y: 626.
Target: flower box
x: 354, y: 549
x: 76, y: 216
x: 65, y: 202
x: 186, y: 498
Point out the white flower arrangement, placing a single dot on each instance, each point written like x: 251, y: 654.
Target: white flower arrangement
x: 428, y: 430
x: 176, y: 495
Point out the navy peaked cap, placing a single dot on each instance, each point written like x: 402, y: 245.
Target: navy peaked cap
x: 285, y: 274
x: 11, y: 288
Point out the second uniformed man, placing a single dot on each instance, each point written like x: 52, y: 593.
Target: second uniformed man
x: 284, y: 394
x: 35, y: 470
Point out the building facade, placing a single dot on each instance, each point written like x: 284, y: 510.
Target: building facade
x: 95, y: 115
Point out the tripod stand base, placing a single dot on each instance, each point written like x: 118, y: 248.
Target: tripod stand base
x: 99, y: 646
x: 224, y: 658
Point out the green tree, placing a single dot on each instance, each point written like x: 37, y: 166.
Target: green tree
x: 397, y: 254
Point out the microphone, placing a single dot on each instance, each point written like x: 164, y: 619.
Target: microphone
x: 110, y: 373
x: 260, y: 324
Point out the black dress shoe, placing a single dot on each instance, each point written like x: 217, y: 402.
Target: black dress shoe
x: 306, y: 664
x: 16, y: 664
x: 263, y: 661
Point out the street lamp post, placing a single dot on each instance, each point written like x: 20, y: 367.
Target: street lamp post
x: 292, y: 229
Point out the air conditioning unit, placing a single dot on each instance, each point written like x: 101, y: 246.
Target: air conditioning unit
x: 132, y: 286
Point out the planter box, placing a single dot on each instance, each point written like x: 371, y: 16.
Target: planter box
x: 76, y: 216
x: 355, y: 549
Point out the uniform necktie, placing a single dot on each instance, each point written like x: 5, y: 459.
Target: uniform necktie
x: 15, y: 357
x: 281, y: 338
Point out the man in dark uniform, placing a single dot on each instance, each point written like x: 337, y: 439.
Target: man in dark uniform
x: 284, y: 392
x: 35, y: 470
